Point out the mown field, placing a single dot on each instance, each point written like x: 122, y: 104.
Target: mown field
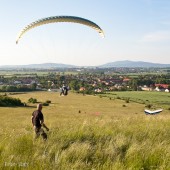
x: 86, y: 132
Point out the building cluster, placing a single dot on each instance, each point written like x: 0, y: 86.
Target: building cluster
x: 157, y: 87
x: 98, y: 82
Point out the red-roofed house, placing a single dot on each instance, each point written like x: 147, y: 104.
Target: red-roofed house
x: 165, y: 86
x: 161, y: 87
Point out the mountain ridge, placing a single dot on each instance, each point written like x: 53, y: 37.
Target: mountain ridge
x: 128, y: 63
x: 123, y: 63
x: 43, y: 65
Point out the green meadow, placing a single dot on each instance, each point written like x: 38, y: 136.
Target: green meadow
x: 157, y: 99
x: 86, y: 132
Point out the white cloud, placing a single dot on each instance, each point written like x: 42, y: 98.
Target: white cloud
x: 158, y: 36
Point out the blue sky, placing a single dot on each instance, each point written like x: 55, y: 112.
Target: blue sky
x: 137, y: 30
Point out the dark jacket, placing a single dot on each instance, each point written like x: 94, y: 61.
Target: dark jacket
x: 37, y: 118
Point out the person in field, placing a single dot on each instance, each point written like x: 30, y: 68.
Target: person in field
x: 38, y: 123
x: 64, y: 90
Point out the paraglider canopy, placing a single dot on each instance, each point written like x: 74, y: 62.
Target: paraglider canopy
x: 152, y: 112
x: 55, y: 19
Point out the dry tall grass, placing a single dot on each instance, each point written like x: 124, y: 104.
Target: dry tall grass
x: 86, y: 132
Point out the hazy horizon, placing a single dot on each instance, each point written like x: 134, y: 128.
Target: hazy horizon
x: 134, y: 30
x: 86, y: 65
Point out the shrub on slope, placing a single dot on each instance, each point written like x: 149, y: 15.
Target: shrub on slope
x: 9, y: 101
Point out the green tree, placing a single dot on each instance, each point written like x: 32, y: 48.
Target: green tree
x: 133, y: 84
x: 11, y: 88
x: 33, y: 86
x: 75, y: 85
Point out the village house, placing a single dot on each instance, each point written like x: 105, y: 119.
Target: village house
x: 98, y: 90
x: 146, y: 88
x: 17, y: 82
x: 167, y: 90
x: 110, y: 81
x: 82, y: 89
x: 161, y: 87
x: 126, y: 80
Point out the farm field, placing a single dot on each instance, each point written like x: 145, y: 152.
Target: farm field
x: 86, y: 132
x: 19, y: 73
x: 11, y: 73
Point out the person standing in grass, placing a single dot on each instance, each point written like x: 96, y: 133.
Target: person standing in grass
x: 64, y: 90
x: 38, y: 123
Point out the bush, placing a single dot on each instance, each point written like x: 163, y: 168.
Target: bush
x: 149, y: 106
x: 127, y: 100
x: 45, y: 104
x: 32, y: 100
x: 9, y: 101
x: 48, y: 101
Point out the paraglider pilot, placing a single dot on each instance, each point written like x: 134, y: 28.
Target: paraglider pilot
x: 38, y: 123
x: 64, y: 90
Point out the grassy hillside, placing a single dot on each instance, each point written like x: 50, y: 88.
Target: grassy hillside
x: 86, y: 132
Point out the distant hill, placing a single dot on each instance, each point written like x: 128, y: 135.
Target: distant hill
x: 40, y: 66
x: 128, y: 63
x: 125, y: 63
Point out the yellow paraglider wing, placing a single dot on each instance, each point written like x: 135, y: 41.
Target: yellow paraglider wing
x: 55, y: 19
